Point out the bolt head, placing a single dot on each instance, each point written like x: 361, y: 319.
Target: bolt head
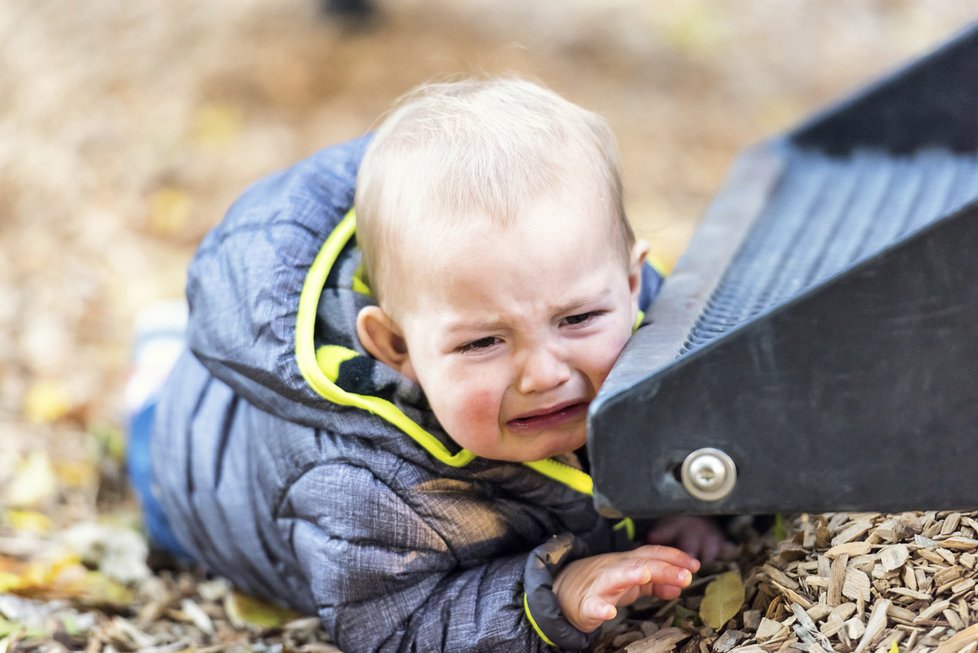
x: 709, y: 474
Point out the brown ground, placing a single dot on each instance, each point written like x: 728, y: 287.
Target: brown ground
x: 127, y: 128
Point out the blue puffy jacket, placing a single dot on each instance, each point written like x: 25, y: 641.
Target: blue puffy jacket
x: 288, y: 460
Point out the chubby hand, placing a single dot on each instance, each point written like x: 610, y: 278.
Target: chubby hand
x: 590, y: 590
x: 697, y: 536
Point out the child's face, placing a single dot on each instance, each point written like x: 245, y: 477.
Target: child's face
x: 514, y: 329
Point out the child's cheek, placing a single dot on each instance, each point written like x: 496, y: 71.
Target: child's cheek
x: 481, y: 408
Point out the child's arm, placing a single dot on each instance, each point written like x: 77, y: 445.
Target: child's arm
x: 387, y: 575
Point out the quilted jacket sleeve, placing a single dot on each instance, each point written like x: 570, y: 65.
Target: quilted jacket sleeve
x: 385, y: 579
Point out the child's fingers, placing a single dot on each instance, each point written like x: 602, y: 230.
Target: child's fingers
x: 666, y: 592
x: 594, y: 608
x: 663, y: 573
x: 640, y: 573
x: 622, y: 577
x: 669, y: 555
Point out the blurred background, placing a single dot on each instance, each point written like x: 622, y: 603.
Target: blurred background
x: 127, y: 128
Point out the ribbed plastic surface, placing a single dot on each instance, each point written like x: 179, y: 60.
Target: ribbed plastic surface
x: 826, y: 214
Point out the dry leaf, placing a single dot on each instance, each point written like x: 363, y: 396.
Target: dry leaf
x: 169, y: 211
x: 46, y: 402
x: 34, y: 482
x: 243, y: 610
x: 119, y: 553
x: 28, y: 520
x: 723, y: 599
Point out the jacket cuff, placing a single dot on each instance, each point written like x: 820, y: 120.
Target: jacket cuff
x: 539, y: 601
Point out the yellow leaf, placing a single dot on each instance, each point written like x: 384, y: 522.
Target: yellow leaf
x: 723, y: 599
x: 9, y: 582
x: 33, y: 483
x: 76, y: 473
x: 244, y: 610
x: 169, y: 211
x: 28, y: 520
x: 217, y: 125
x: 102, y: 590
x: 46, y: 402
x: 894, y: 648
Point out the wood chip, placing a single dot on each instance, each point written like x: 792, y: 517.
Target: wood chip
x: 767, y: 629
x: 852, y: 531
x: 953, y: 619
x: 909, y: 578
x: 850, y: 549
x: 893, y: 557
x: 663, y: 641
x: 819, y: 611
x: 795, y: 597
x: 836, y: 580
x: 960, y: 543
x: 931, y: 611
x: 752, y: 619
x: 901, y: 614
x: 947, y: 575
x: 727, y: 640
x: 856, y: 585
x: 875, y: 625
x: 962, y: 586
x: 931, y: 555
x: 957, y: 642
x: 903, y: 591
x: 951, y: 523
x: 855, y: 628
x: 780, y: 577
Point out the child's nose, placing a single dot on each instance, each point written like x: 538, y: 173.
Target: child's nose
x: 543, y: 370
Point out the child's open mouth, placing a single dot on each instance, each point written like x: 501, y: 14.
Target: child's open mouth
x: 550, y: 417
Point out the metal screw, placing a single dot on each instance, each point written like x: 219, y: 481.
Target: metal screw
x: 709, y: 474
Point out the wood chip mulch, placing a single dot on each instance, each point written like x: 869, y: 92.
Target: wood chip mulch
x: 842, y: 582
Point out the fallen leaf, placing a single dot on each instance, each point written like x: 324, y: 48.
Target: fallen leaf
x: 217, y: 125
x: 169, y: 211
x: 62, y: 578
x: 46, y: 402
x: 34, y: 482
x: 723, y: 599
x: 28, y: 520
x: 118, y: 552
x: 243, y: 610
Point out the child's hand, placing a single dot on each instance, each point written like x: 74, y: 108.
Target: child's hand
x: 590, y: 590
x: 697, y: 536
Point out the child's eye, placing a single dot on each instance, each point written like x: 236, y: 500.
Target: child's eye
x: 481, y: 343
x: 581, y: 318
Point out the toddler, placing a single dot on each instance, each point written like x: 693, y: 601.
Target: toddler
x: 381, y: 418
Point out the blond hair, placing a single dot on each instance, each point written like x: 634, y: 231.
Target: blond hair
x: 477, y: 145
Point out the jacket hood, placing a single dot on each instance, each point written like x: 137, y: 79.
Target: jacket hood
x: 274, y: 291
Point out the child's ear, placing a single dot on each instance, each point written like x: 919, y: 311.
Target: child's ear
x: 640, y: 250
x: 383, y: 339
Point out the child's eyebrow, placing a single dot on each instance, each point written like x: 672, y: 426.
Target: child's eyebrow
x: 497, y: 324
x: 580, y: 302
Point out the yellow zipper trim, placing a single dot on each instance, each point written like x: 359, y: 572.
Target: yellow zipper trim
x: 575, y: 479
x: 305, y: 353
x: 533, y: 622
